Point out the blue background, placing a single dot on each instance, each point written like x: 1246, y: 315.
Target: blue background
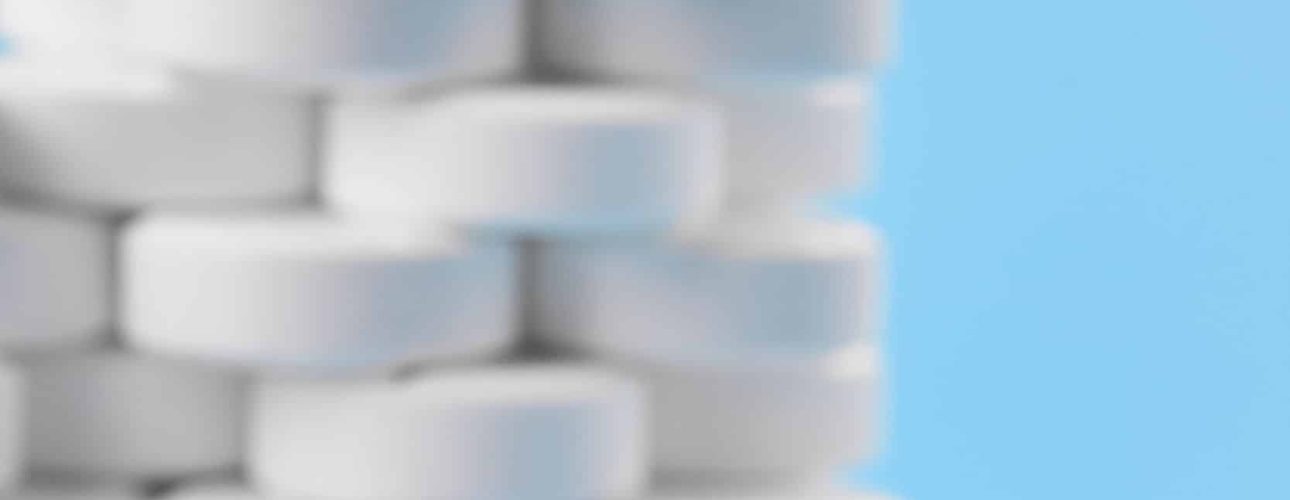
x: 1088, y: 210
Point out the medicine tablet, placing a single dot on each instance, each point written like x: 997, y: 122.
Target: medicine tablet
x: 123, y: 138
x: 489, y: 434
x: 533, y: 159
x: 54, y: 273
x: 763, y: 288
x: 782, y: 421
x: 343, y: 44
x: 305, y: 292
x: 122, y: 417
x: 686, y: 39
x: 793, y: 138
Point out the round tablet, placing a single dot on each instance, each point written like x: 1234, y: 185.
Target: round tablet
x: 535, y: 159
x: 121, y: 417
x: 684, y: 39
x: 764, y: 287
x: 517, y: 432
x: 53, y: 280
x: 309, y: 293
x: 334, y: 43
x: 13, y: 417
x: 793, y: 138
x: 116, y: 138
x: 781, y: 422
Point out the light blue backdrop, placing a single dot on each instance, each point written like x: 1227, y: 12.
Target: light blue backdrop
x: 1088, y: 207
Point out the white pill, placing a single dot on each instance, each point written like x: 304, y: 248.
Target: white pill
x: 504, y: 433
x: 793, y: 137
x: 13, y: 424
x: 682, y: 39
x: 538, y: 159
x: 122, y: 417
x: 334, y: 43
x: 785, y: 422
x: 764, y: 287
x: 120, y: 138
x: 301, y: 291
x: 54, y: 272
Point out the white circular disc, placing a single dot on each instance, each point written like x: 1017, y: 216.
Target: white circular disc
x: 685, y: 39
x: 54, y: 273
x: 491, y: 434
x: 793, y: 137
x: 334, y: 43
x: 307, y: 292
x: 776, y: 422
x: 534, y: 159
x: 122, y: 417
x: 763, y: 288
x: 118, y: 138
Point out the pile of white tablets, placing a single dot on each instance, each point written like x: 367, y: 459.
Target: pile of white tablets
x: 436, y: 250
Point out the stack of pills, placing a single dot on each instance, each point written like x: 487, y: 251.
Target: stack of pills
x: 445, y: 250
